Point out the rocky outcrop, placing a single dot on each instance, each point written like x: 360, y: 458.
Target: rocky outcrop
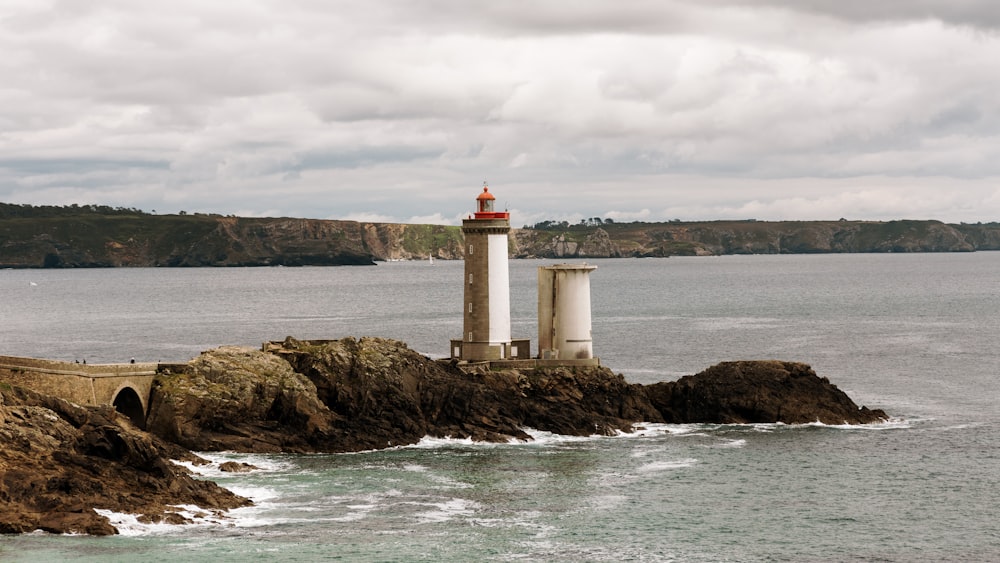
x: 58, y: 462
x: 351, y: 395
x: 589, y: 243
x: 757, y: 391
x: 235, y: 398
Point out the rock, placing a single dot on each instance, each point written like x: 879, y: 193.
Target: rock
x: 583, y: 401
x: 235, y: 467
x: 237, y: 398
x: 757, y: 391
x: 60, y: 461
x: 384, y: 394
x: 353, y: 395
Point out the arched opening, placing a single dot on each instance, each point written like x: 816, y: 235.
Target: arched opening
x: 128, y: 403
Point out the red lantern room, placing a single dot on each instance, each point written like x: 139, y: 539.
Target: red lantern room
x: 484, y: 206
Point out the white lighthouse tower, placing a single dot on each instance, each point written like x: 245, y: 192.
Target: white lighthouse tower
x: 486, y: 306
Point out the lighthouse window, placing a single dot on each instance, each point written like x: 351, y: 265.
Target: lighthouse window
x: 470, y: 336
x: 470, y: 279
x: 470, y: 249
x: 470, y: 307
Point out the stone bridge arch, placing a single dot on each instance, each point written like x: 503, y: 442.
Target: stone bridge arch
x: 127, y: 401
x: 124, y: 386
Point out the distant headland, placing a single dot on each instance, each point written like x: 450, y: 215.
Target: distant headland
x: 103, y: 237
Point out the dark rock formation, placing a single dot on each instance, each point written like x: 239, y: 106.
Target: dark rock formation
x: 58, y: 462
x: 351, y: 395
x: 386, y: 394
x: 758, y: 391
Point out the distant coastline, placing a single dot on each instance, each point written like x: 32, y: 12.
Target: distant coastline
x: 104, y: 237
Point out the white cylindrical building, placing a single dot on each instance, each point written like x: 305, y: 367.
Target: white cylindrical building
x: 564, y: 325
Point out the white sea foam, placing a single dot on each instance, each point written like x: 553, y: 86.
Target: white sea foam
x: 538, y: 437
x: 544, y: 437
x: 357, y: 512
x: 738, y: 443
x: 660, y: 466
x: 430, y: 442
x: 531, y: 520
x: 646, y: 429
x: 216, y: 459
x: 243, y: 517
x: 891, y: 424
x: 445, y: 483
x: 255, y: 493
x: 129, y: 524
x: 445, y: 511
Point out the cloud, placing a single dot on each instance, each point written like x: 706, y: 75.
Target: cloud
x: 362, y: 217
x: 434, y: 219
x: 399, y: 109
x: 974, y: 13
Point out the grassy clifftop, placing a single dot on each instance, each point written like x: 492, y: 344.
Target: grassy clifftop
x: 102, y: 237
x: 753, y: 237
x: 91, y: 236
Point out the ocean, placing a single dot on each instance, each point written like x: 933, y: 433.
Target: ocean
x: 914, y: 334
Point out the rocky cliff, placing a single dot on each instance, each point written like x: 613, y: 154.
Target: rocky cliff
x: 69, y: 238
x: 59, y: 461
x: 212, y: 240
x: 751, y: 237
x: 350, y: 395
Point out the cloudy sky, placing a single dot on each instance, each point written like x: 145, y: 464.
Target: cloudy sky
x: 398, y: 110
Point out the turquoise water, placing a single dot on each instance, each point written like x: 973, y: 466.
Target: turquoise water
x: 913, y: 334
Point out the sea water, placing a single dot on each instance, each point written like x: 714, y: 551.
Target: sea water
x: 914, y: 334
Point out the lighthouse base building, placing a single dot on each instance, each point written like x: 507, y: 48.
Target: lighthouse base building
x: 564, y: 330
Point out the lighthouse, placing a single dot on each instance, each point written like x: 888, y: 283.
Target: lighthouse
x: 486, y: 303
